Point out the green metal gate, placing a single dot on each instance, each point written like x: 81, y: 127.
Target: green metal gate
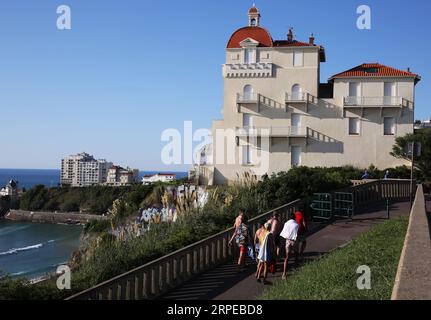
x: 322, y: 206
x: 343, y: 204
x: 326, y: 205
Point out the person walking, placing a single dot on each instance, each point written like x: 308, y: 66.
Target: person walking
x: 290, y: 233
x: 265, y: 250
x: 239, y: 218
x: 302, y: 232
x: 259, y: 231
x: 242, y: 239
x: 275, y: 231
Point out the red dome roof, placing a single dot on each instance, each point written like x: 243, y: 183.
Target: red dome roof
x: 257, y: 33
x: 253, y: 10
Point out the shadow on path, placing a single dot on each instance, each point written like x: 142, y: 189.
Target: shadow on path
x: 225, y: 283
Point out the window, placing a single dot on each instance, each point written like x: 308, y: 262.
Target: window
x: 389, y: 126
x: 249, y: 56
x: 389, y: 93
x: 296, y: 156
x: 298, y: 58
x: 247, y: 153
x: 248, y: 92
x: 354, y: 89
x: 354, y: 126
x: 296, y: 92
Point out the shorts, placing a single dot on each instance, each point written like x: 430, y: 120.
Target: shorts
x: 301, y: 238
x: 291, y: 246
x: 243, y: 249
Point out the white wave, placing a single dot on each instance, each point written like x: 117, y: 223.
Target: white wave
x: 17, y: 250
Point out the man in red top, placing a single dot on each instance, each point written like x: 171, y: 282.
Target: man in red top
x: 301, y: 240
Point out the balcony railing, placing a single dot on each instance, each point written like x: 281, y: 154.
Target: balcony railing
x: 373, y: 101
x: 297, y: 97
x: 247, y: 98
x: 272, y: 131
x: 248, y: 70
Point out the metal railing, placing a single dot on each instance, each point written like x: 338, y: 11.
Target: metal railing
x: 159, y: 276
x: 373, y: 101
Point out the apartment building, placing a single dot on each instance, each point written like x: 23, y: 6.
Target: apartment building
x: 277, y: 114
x: 83, y: 170
x: 118, y: 176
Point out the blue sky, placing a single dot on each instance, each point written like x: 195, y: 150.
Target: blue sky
x: 129, y: 69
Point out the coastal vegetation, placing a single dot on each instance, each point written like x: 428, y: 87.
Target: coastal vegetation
x: 334, y: 276
x: 94, y: 200
x: 422, y: 162
x: 106, y: 256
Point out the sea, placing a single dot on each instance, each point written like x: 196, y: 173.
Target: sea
x: 35, y: 250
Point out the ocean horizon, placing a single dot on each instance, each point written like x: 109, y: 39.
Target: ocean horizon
x: 28, y: 178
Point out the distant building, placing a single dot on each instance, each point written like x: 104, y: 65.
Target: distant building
x: 11, y: 190
x: 82, y: 170
x: 159, y: 177
x: 118, y: 176
x: 426, y: 124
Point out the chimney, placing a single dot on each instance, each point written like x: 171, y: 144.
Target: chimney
x: 311, y: 41
x: 290, y: 35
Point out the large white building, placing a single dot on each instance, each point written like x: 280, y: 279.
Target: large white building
x: 278, y: 114
x: 82, y: 170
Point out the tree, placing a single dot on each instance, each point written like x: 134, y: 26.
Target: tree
x: 423, y: 162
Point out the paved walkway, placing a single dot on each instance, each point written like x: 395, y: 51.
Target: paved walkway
x: 224, y: 283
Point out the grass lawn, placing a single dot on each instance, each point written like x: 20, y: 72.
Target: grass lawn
x: 334, y: 277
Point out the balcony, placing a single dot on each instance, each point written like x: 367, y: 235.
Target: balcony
x: 373, y: 101
x: 376, y: 102
x: 272, y: 131
x: 250, y: 98
x: 297, y: 97
x: 248, y: 70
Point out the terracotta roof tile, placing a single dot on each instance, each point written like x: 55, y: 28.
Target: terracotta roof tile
x: 294, y: 43
x: 257, y: 33
x: 374, y: 70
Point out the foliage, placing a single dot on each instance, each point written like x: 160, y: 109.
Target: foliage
x: 422, y: 163
x: 334, y: 276
x: 95, y: 200
x: 111, y: 257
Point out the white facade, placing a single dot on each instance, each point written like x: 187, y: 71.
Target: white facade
x: 10, y: 190
x: 276, y: 110
x: 82, y: 170
x: 118, y: 176
x: 159, y: 177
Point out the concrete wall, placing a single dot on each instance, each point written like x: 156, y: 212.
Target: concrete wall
x: 413, y: 280
x: 51, y: 217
